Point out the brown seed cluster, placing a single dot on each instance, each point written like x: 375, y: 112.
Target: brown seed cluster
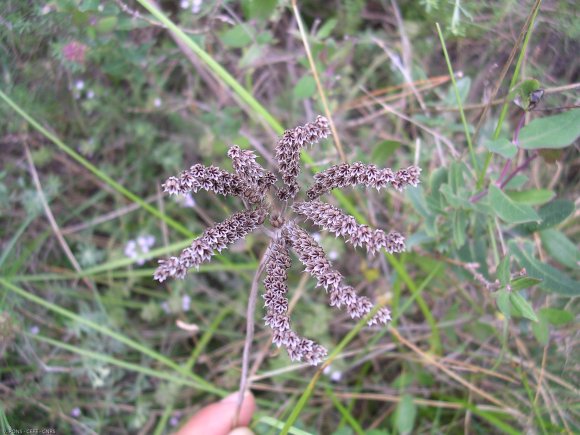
x: 210, y: 178
x: 255, y: 180
x: 276, y: 303
x: 288, y: 152
x: 253, y: 183
x: 345, y: 175
x: 312, y: 256
x: 333, y: 219
x: 213, y: 239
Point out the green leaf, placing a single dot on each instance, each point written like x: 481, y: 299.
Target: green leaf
x: 107, y: 24
x: 553, y: 280
x: 523, y: 282
x: 532, y: 196
x: 541, y: 330
x: 236, y: 37
x: 557, y: 131
x: 502, y: 146
x: 508, y: 210
x: 503, y: 303
x: 551, y: 214
x: 305, y: 87
x: 523, y: 306
x: 560, y: 247
x: 260, y: 9
x: 327, y: 28
x: 555, y: 316
x: 503, y: 270
x: 459, y: 225
x: 383, y: 150
x: 405, y: 414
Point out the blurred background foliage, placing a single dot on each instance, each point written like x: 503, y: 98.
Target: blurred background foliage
x: 127, y: 96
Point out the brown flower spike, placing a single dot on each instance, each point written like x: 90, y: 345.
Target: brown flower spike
x: 256, y: 187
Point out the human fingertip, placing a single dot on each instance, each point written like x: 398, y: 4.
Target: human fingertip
x: 241, y: 431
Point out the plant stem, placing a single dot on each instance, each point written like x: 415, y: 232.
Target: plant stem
x: 459, y: 102
x: 250, y: 331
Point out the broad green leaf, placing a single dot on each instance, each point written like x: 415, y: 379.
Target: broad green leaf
x: 405, y: 414
x: 255, y: 52
x: 438, y: 177
x: 503, y: 303
x: 516, y: 182
x: 541, y: 330
x: 557, y: 131
x: 524, y: 91
x: 459, y: 225
x: 523, y: 306
x: 555, y: 316
x: 560, y: 247
x: 383, y: 150
x: 236, y: 37
x: 503, y: 270
x: 107, y: 24
x: 551, y: 214
x: 508, y: 210
x: 327, y: 28
x: 305, y: 88
x: 502, y: 146
x: 523, y: 282
x: 260, y: 9
x: 553, y: 280
x: 532, y: 196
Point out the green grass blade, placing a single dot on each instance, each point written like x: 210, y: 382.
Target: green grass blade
x: 344, y: 412
x: 458, y: 97
x: 96, y: 171
x: 513, y: 82
x: 99, y: 356
x: 110, y: 333
x: 215, y: 67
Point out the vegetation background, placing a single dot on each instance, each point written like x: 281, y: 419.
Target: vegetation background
x: 100, y: 102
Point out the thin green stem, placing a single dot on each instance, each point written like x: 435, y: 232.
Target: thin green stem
x: 96, y: 171
x: 215, y: 67
x: 110, y: 333
x: 513, y: 82
x: 458, y: 98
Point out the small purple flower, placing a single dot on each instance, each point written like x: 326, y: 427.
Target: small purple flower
x: 135, y: 249
x: 186, y: 303
x: 75, y: 412
x: 75, y: 52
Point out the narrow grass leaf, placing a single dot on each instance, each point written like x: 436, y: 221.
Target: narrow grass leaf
x: 96, y: 171
x: 137, y: 368
x: 344, y: 412
x: 108, y: 332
